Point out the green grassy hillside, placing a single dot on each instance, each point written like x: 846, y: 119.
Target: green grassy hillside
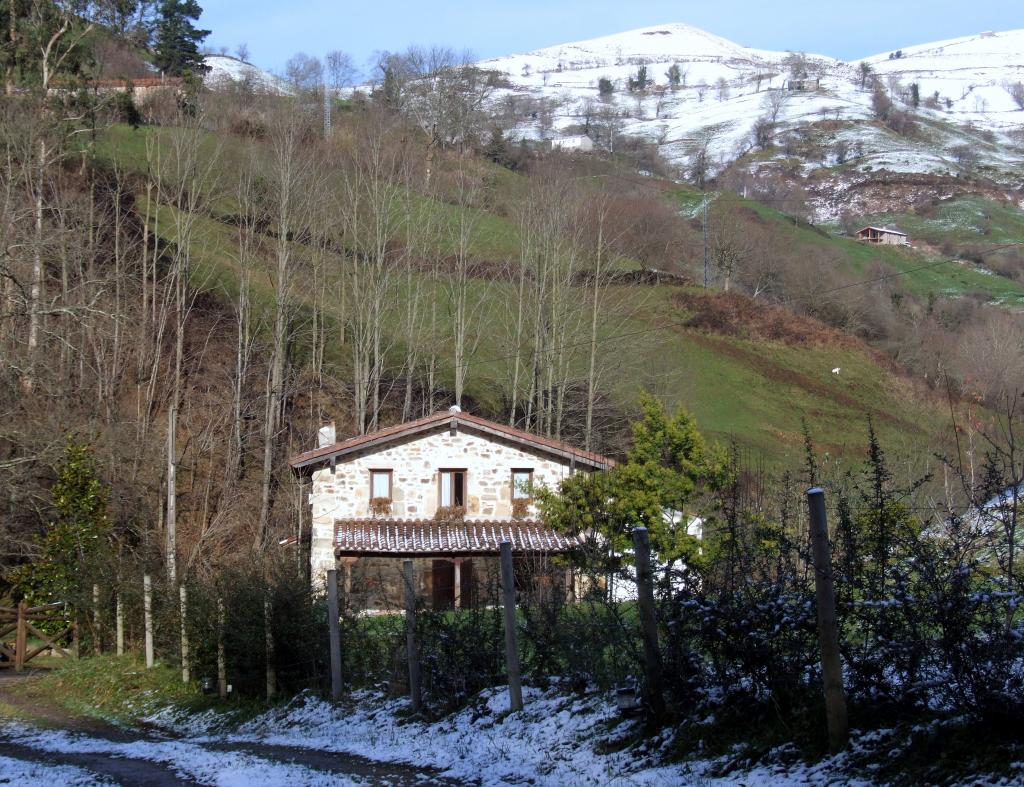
x: 754, y: 387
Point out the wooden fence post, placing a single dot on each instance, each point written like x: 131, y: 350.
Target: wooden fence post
x: 508, y: 590
x: 97, y: 645
x: 828, y: 632
x: 147, y: 616
x: 119, y: 623
x: 334, y: 632
x: 183, y: 596
x: 21, y: 637
x: 648, y: 621
x: 269, y: 633
x: 222, y: 669
x: 412, y: 651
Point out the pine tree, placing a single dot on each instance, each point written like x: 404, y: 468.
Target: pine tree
x: 177, y: 40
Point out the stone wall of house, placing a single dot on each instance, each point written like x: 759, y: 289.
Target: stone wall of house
x: 415, y: 465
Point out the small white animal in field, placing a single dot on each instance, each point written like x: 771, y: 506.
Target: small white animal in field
x: 836, y: 370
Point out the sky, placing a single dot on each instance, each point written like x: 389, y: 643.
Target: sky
x: 274, y: 30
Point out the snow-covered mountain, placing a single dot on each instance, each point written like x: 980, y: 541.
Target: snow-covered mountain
x: 225, y: 70
x: 964, y: 89
x: 974, y: 72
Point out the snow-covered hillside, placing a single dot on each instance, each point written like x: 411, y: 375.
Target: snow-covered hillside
x: 975, y: 73
x: 226, y: 70
x: 725, y: 88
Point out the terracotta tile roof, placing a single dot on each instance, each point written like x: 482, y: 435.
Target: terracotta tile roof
x: 427, y: 537
x: 443, y: 419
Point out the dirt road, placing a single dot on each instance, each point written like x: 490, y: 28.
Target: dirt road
x: 38, y: 734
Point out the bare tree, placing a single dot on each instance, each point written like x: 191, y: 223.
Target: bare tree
x: 1016, y: 91
x: 450, y: 103
x: 340, y: 69
x: 293, y: 188
x: 305, y: 72
x: 466, y: 294
x: 376, y: 172
x: 774, y: 102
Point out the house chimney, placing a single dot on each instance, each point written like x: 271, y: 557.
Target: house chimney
x: 454, y: 409
x: 325, y: 435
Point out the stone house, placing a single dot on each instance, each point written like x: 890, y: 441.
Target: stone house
x: 580, y: 142
x: 445, y: 491
x: 886, y: 236
x: 803, y: 84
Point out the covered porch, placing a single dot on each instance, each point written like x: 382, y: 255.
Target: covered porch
x: 455, y: 564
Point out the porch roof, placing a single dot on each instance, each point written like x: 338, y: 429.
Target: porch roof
x: 423, y: 538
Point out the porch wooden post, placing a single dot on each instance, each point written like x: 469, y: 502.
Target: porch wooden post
x: 458, y: 582
x: 508, y: 588
x: 410, y: 636
x: 334, y: 631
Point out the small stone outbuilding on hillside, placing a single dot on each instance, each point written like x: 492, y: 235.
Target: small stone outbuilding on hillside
x: 886, y: 236
x: 445, y: 490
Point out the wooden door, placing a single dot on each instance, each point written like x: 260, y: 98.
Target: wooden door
x: 442, y: 579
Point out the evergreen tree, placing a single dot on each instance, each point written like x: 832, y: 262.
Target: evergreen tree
x: 176, y: 52
x: 74, y: 543
x: 675, y: 75
x: 669, y: 460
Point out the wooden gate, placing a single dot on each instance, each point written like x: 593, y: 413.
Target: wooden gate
x: 19, y: 620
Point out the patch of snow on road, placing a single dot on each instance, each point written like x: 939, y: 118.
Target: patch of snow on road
x: 14, y: 771
x: 186, y: 758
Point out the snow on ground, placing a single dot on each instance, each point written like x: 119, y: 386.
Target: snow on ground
x: 974, y: 73
x: 558, y: 739
x: 187, y: 759
x: 225, y: 71
x: 13, y: 771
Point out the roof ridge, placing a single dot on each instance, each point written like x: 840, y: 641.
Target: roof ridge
x: 356, y: 441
